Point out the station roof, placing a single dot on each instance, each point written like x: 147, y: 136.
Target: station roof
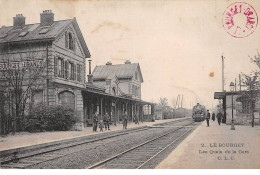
x: 37, y: 32
x: 119, y: 70
x: 221, y: 95
x: 97, y: 90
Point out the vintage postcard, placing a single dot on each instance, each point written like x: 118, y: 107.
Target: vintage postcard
x: 95, y: 84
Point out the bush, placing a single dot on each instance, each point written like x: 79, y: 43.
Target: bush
x: 167, y: 114
x: 49, y: 118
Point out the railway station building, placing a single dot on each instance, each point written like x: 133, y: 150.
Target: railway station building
x: 59, y: 49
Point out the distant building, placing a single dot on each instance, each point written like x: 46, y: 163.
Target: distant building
x: 167, y: 112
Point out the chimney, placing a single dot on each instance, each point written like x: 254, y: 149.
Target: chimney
x: 90, y: 78
x: 19, y: 21
x: 47, y: 18
x: 108, y: 63
x: 127, y: 62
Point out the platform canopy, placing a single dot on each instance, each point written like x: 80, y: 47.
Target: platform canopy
x: 219, y: 95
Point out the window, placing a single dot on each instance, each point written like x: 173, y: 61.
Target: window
x: 67, y: 99
x: 22, y: 34
x: 66, y: 69
x: 147, y: 110
x: 72, y: 71
x: 79, y: 73
x: 136, y: 76
x: 75, y: 72
x: 114, y: 91
x: 37, y: 96
x: 55, y: 66
x: 60, y: 67
x: 69, y: 41
x: 44, y: 30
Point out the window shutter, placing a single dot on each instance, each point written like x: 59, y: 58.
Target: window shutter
x: 55, y: 66
x: 66, y: 69
x: 79, y: 73
x: 72, y: 72
x: 75, y: 69
x: 66, y: 40
x: 62, y: 68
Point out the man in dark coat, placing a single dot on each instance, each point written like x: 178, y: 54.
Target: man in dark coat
x: 95, y: 121
x: 208, y: 118
x: 125, y: 118
x: 213, y: 116
x: 106, y: 121
x: 219, y: 117
x: 136, y: 119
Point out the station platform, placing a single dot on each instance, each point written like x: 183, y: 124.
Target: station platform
x: 24, y: 139
x: 217, y: 147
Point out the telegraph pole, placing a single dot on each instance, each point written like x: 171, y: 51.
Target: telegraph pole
x: 223, y: 80
x: 235, y: 84
x: 239, y: 82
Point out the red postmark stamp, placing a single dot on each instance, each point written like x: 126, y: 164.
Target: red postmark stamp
x: 240, y: 19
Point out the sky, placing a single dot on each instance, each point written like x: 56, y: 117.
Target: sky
x: 178, y: 43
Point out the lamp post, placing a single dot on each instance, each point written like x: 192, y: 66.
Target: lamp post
x: 231, y: 90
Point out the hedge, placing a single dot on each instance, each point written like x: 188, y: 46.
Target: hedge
x: 49, y: 118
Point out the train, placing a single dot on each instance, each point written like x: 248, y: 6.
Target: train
x: 199, y: 113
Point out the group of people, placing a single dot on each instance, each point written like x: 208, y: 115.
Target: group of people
x: 105, y: 121
x: 101, y: 122
x: 219, y: 117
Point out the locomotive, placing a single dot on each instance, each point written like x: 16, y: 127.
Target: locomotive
x: 199, y: 113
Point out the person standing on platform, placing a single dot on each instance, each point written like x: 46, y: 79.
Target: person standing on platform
x: 219, y: 117
x: 136, y: 119
x: 106, y: 121
x: 125, y: 118
x: 101, y: 125
x: 208, y: 118
x: 95, y: 121
x: 213, y: 116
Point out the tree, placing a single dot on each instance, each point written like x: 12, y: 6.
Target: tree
x: 252, y: 83
x: 256, y: 59
x: 163, y: 102
x: 166, y: 112
x: 22, y: 73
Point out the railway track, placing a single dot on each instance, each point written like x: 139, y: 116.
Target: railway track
x: 139, y: 156
x: 49, y: 153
